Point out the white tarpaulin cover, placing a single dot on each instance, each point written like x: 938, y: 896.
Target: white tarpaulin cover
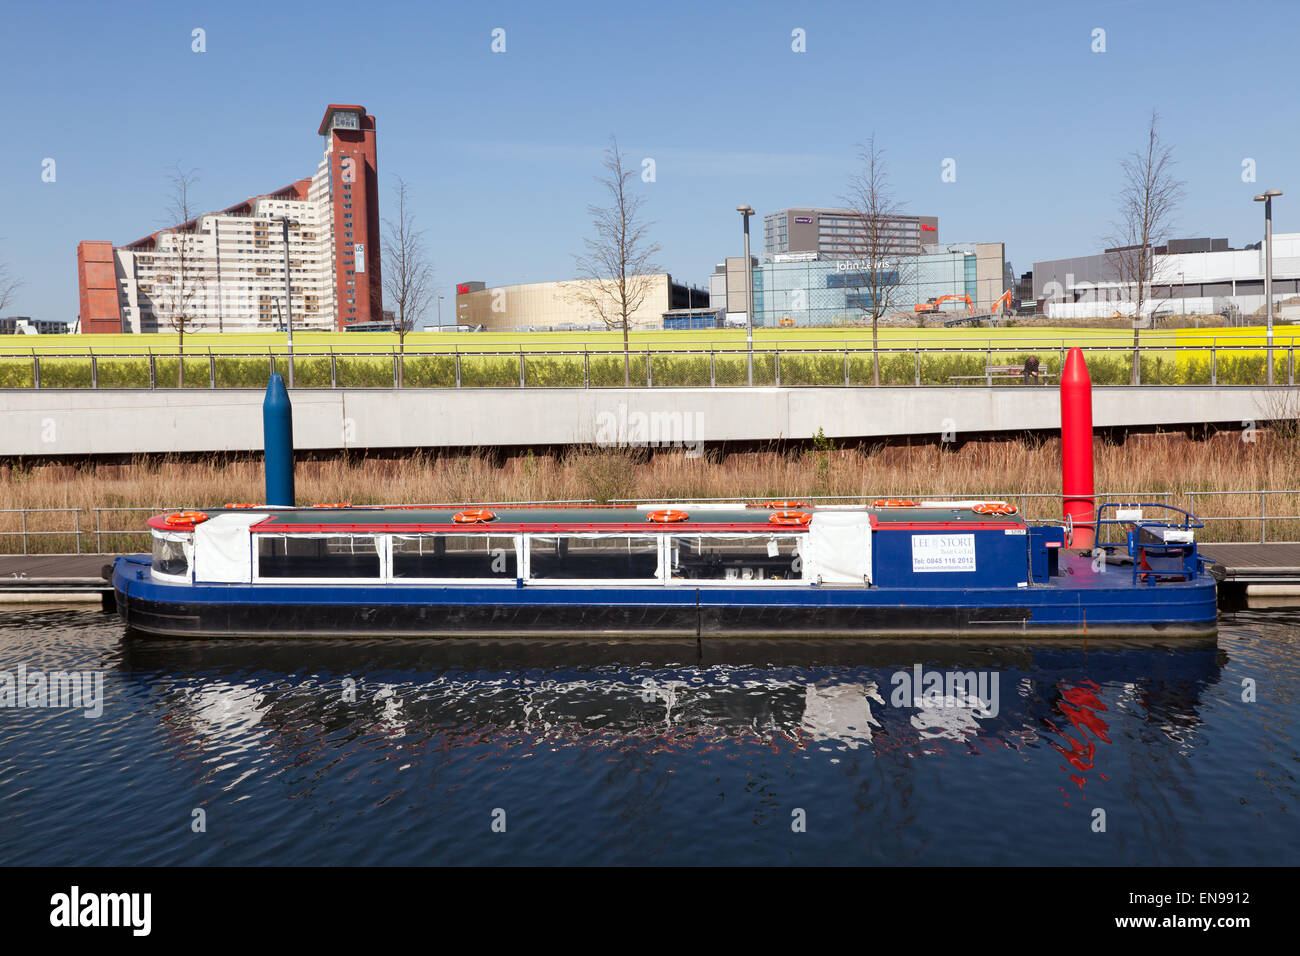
x: 223, y: 553
x: 838, y: 548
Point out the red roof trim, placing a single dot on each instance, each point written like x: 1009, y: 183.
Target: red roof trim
x: 297, y: 190
x: 271, y: 526
x: 495, y: 527
x: 503, y: 506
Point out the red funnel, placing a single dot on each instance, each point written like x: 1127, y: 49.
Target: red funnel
x: 1076, y: 448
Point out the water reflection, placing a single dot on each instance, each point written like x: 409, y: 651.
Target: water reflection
x: 396, y: 751
x: 1080, y: 705
x: 905, y: 701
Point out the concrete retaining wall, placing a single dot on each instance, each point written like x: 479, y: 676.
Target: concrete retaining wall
x: 73, y: 422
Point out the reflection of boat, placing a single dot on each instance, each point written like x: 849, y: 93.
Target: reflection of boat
x: 430, y: 705
x: 851, y: 696
x: 895, y: 567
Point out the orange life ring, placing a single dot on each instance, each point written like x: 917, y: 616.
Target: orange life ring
x: 336, y: 504
x: 781, y: 505
x: 184, y: 520
x: 666, y: 516
x: 473, y: 516
x: 994, y: 508
x: 232, y: 504
x: 894, y: 503
x: 789, y: 517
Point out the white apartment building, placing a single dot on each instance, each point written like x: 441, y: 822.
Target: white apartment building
x: 242, y: 269
x: 233, y: 275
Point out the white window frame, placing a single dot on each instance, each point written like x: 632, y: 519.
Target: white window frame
x: 381, y: 548
x: 187, y: 547
x: 510, y: 582
x: 799, y: 538
x: 530, y: 581
x: 523, y: 561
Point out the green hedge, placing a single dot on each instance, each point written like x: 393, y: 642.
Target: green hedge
x: 15, y: 373
x: 605, y: 370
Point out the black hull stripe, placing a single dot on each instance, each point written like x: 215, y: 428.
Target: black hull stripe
x: 596, y: 621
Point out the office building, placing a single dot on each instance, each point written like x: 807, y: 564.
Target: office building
x: 838, y: 233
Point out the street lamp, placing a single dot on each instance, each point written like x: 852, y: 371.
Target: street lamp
x: 440, y: 298
x: 746, y: 211
x: 1266, y: 197
x: 286, y: 222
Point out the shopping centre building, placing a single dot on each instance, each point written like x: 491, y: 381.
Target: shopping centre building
x: 563, y: 306
x: 1200, y: 276
x: 807, y: 289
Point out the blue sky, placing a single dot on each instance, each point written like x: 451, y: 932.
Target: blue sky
x: 501, y: 150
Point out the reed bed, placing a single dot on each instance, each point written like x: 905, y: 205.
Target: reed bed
x: 1164, y: 467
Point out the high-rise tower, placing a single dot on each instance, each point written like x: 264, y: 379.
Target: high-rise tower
x: 233, y: 270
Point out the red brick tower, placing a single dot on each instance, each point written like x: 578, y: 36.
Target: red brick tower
x: 354, y: 195
x: 97, y: 287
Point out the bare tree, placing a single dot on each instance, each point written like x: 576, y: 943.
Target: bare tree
x: 1148, y: 198
x: 8, y: 286
x: 618, y: 269
x: 408, y: 277
x: 187, y: 278
x: 875, y: 271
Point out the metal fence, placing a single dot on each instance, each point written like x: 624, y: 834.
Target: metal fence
x: 69, y: 530
x: 74, y: 530
x: 1042, y: 507
x: 792, y: 363
x: 121, y: 529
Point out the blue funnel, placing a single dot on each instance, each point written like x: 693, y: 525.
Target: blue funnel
x: 277, y: 435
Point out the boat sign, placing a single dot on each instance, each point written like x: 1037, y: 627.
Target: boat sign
x: 943, y: 552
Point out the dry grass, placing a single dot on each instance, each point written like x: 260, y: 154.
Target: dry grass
x: 1168, y: 465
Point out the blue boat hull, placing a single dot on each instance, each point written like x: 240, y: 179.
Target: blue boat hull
x: 1098, y: 604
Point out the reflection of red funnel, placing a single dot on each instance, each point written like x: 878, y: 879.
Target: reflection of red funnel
x: 1076, y: 448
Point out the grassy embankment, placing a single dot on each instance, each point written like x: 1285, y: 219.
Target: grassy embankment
x: 675, y: 358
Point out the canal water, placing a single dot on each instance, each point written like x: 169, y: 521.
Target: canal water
x: 428, y: 752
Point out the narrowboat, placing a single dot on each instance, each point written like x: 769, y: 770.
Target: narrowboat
x: 776, y: 568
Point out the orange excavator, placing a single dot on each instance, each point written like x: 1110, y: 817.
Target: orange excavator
x: 1003, y: 301
x: 933, y: 305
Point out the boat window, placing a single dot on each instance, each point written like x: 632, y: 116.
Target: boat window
x: 454, y: 556
x: 593, y: 558
x: 299, y: 556
x: 169, y: 556
x: 768, y: 558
